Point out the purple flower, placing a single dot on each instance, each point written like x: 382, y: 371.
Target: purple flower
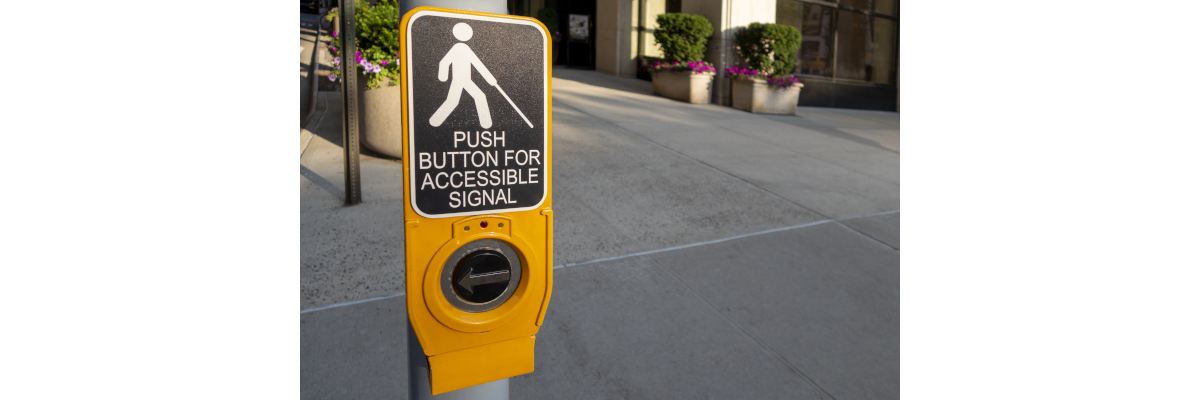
x: 335, y: 34
x: 337, y: 60
x: 333, y: 78
x: 358, y: 54
x: 384, y: 63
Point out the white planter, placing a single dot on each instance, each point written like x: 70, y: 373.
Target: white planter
x: 683, y: 86
x: 755, y: 96
x: 380, y: 127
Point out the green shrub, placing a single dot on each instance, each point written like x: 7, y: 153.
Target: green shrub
x: 377, y: 36
x: 770, y: 48
x: 683, y: 37
x: 549, y: 18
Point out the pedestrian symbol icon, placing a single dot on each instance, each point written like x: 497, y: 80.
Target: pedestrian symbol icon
x: 456, y: 66
x: 477, y: 109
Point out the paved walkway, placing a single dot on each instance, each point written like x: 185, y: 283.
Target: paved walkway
x: 701, y: 252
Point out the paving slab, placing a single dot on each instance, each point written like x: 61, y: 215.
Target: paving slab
x: 347, y: 253
x: 806, y: 158
x: 652, y: 196
x: 355, y: 352
x: 608, y: 98
x: 798, y: 138
x: 824, y: 187
x: 805, y: 313
x: 824, y: 298
x: 849, y: 118
x: 835, y: 189
x: 351, y: 253
x: 876, y: 164
x: 629, y: 329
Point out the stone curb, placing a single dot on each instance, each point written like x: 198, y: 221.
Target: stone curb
x: 307, y: 125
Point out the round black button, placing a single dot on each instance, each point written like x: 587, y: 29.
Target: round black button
x: 482, y: 276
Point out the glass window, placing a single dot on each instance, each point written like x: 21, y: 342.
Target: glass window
x: 883, y: 54
x: 887, y: 7
x: 866, y: 48
x: 816, y: 24
x: 864, y: 5
x: 854, y: 46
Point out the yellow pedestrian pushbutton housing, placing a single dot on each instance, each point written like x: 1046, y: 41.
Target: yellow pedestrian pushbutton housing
x: 477, y: 285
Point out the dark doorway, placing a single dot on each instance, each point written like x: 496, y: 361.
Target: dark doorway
x: 579, y: 40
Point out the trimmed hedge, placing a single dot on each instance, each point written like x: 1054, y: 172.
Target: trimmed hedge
x: 758, y: 43
x: 683, y: 37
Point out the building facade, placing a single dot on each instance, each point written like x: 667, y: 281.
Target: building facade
x: 848, y: 58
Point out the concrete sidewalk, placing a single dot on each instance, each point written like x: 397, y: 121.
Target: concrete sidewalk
x: 701, y: 252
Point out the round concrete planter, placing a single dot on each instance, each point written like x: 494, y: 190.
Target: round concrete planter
x: 755, y: 96
x: 683, y: 86
x: 379, y: 118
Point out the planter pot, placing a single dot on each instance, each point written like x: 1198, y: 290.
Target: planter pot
x: 379, y: 124
x: 755, y: 96
x: 683, y: 86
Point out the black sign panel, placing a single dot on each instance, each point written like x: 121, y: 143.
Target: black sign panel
x: 477, y: 113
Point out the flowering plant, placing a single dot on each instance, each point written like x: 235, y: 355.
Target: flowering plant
x: 557, y: 36
x: 378, y: 40
x: 695, y: 67
x: 743, y: 73
x: 783, y: 81
x: 775, y: 81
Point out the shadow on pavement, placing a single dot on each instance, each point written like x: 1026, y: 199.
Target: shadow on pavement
x: 834, y: 132
x: 330, y: 128
x: 635, y: 86
x: 322, y: 183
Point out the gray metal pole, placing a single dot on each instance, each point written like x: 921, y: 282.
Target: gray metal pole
x: 349, y: 102
x: 489, y: 6
x: 418, y: 365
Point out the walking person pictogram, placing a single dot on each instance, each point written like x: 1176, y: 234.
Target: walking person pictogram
x: 460, y: 59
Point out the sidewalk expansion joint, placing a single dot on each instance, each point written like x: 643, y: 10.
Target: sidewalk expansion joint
x: 864, y: 234
x: 697, y: 244
x: 654, y: 251
x: 869, y: 237
x: 350, y: 303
